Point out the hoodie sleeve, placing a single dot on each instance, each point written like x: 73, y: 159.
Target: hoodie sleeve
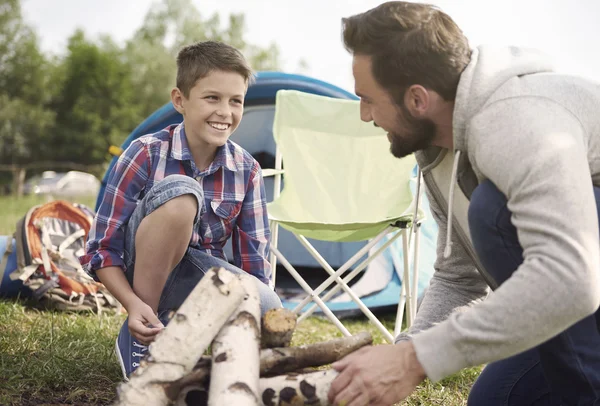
x: 534, y: 151
x: 456, y: 283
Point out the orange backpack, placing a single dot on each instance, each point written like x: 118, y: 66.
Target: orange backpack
x: 49, y: 239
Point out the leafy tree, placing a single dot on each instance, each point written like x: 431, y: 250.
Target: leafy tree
x: 25, y: 120
x: 95, y: 105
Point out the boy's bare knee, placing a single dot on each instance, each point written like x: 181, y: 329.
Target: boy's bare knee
x: 181, y: 209
x: 177, y: 212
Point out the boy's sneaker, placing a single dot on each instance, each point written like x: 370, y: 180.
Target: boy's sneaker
x: 129, y: 351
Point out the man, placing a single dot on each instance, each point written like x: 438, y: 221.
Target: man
x: 510, y: 154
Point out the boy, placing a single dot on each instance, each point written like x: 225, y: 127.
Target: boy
x: 174, y: 199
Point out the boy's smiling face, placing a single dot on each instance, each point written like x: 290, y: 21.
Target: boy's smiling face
x: 213, y: 109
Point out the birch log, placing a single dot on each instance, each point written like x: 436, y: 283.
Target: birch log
x: 277, y: 361
x: 297, y: 390
x: 274, y: 361
x: 235, y: 350
x: 180, y: 345
x: 278, y: 327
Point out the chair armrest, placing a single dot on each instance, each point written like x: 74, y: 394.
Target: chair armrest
x: 272, y: 172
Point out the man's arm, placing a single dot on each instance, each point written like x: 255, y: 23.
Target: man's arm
x: 251, y: 235
x: 456, y: 282
x: 537, y: 157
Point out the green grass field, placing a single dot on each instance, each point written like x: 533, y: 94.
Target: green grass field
x: 55, y: 358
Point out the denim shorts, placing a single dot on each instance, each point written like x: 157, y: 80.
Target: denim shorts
x: 195, y: 263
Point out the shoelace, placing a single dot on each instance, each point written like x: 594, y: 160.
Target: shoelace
x: 143, y: 349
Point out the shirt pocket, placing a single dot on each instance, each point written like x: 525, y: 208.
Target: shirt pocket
x: 225, y: 212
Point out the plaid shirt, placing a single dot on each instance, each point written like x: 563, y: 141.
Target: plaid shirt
x: 234, y: 201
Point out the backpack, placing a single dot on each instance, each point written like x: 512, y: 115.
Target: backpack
x: 49, y: 240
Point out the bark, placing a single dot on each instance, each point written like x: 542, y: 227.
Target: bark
x: 297, y: 390
x: 177, y: 348
x: 277, y: 361
x: 235, y: 351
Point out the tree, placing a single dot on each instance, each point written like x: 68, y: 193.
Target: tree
x: 95, y: 106
x: 25, y: 120
x: 71, y: 109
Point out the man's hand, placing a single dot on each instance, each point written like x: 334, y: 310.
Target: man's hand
x: 378, y: 375
x: 143, y: 324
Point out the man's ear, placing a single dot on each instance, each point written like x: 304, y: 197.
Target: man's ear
x: 417, y: 101
x: 177, y: 99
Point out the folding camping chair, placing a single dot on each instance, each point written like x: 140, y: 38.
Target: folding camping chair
x: 341, y: 184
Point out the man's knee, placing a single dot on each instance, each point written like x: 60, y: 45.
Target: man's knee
x: 486, y: 202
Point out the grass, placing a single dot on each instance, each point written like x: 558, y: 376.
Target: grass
x: 57, y: 358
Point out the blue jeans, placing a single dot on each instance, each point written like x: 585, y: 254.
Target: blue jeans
x: 564, y: 370
x: 195, y: 263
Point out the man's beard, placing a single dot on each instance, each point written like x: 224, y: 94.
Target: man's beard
x: 418, y: 135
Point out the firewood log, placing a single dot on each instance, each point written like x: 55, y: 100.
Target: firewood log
x: 297, y: 390
x: 278, y: 327
x: 276, y: 361
x: 177, y: 348
x: 235, y: 350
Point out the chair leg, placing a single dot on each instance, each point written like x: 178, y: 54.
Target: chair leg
x: 406, y: 280
x: 274, y: 226
x: 311, y: 293
x: 335, y: 275
x: 350, y: 292
x: 350, y: 276
x: 400, y: 310
x: 405, y: 302
x: 415, y: 278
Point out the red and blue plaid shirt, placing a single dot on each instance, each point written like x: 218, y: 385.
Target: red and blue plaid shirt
x: 234, y: 201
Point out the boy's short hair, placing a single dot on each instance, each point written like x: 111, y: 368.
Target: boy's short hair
x: 196, y: 61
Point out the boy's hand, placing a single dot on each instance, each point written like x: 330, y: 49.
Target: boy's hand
x: 143, y: 324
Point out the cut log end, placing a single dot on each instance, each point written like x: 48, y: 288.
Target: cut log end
x: 296, y: 389
x: 278, y: 327
x: 193, y: 396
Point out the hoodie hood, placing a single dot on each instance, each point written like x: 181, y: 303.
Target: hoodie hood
x: 489, y: 69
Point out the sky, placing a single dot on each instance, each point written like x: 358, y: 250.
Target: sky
x: 310, y: 30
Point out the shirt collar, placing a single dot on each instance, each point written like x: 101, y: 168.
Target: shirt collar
x: 180, y: 151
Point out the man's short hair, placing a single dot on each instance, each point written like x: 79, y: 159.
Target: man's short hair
x: 409, y: 43
x: 196, y: 61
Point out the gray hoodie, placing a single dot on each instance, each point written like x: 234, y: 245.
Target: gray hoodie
x: 536, y: 135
